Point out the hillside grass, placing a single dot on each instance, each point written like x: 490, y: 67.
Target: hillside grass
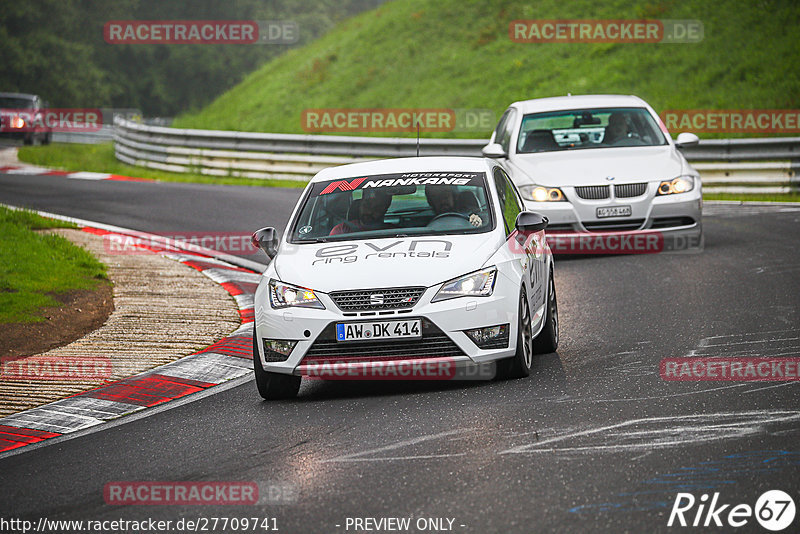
x: 456, y: 54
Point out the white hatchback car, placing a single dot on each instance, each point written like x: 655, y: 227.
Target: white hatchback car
x: 407, y: 268
x: 601, y: 163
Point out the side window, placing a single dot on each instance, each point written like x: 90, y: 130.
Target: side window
x: 509, y: 201
x: 498, y: 131
x: 508, y: 127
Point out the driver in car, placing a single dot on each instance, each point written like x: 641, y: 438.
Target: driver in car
x: 445, y: 199
x: 369, y: 213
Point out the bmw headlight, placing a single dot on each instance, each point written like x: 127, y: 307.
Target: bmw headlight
x: 477, y: 284
x: 540, y: 193
x: 286, y: 295
x: 681, y: 184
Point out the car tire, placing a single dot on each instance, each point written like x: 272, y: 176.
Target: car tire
x: 519, y: 365
x: 273, y: 386
x: 547, y: 340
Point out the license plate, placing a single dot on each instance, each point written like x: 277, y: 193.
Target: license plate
x: 379, y: 330
x: 614, y: 211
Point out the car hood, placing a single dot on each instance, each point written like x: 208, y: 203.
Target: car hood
x: 593, y: 166
x: 377, y: 263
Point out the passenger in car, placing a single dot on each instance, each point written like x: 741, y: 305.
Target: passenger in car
x: 617, y: 128
x: 540, y: 141
x: 365, y: 214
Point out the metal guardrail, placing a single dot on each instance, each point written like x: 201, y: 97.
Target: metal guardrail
x: 103, y: 135
x: 726, y: 165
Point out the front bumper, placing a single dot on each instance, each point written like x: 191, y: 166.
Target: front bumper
x: 674, y: 222
x: 443, y: 337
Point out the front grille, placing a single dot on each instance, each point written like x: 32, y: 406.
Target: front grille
x: 607, y: 226
x: 629, y: 190
x: 592, y: 192
x: 669, y: 222
x: 434, y: 344
x: 377, y: 299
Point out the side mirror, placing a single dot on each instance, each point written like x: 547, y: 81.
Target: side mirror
x: 494, y: 150
x: 528, y: 221
x: 267, y: 240
x: 686, y: 139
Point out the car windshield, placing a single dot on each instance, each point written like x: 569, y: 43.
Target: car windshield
x: 588, y: 128
x: 15, y: 103
x: 388, y: 205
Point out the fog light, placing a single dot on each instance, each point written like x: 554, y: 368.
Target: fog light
x: 490, y: 337
x: 277, y: 350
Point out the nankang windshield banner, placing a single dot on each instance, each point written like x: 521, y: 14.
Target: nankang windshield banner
x: 399, y: 179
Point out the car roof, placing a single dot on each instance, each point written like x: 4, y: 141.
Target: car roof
x: 18, y: 95
x: 558, y: 103
x: 402, y: 165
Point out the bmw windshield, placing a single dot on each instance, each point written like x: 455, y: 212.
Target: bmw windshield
x: 389, y: 205
x: 588, y: 128
x: 9, y: 102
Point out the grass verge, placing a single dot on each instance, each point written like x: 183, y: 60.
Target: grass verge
x: 100, y: 158
x: 35, y: 266
x: 785, y: 197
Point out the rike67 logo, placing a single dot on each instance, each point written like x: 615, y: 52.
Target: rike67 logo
x: 774, y: 510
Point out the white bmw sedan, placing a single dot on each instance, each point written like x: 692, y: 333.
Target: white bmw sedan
x: 404, y: 269
x: 600, y: 163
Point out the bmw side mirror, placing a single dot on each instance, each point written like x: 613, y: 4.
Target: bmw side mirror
x: 267, y: 240
x: 528, y: 221
x: 494, y: 150
x: 686, y: 139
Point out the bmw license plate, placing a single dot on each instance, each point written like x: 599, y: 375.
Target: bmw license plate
x: 379, y: 330
x: 614, y: 211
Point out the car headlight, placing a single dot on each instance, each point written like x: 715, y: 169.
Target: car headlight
x: 681, y: 184
x: 477, y: 284
x: 540, y: 193
x: 286, y: 295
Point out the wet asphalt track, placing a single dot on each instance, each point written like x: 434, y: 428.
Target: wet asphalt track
x: 594, y: 440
